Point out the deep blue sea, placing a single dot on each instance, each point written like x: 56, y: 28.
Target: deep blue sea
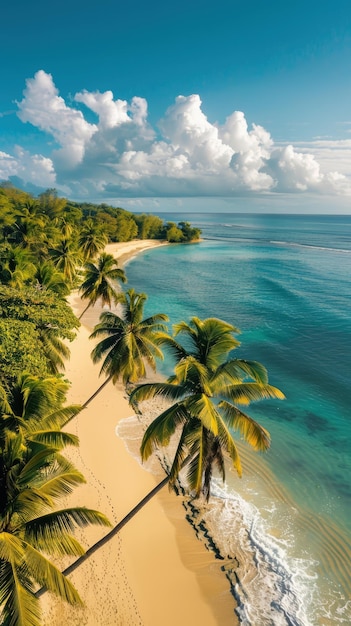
x: 285, y: 282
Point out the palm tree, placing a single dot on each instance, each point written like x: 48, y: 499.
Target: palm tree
x: 16, y: 266
x: 204, y: 391
x: 129, y: 341
x: 32, y: 400
x: 91, y: 240
x: 66, y: 259
x: 48, y: 278
x: 54, y: 349
x: 100, y: 281
x: 205, y: 436
x: 63, y: 227
x: 33, y: 476
x: 29, y: 229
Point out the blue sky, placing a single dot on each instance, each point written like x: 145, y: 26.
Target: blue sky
x: 219, y: 105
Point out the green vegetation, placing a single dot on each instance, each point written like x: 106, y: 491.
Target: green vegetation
x: 33, y: 477
x: 49, y: 246
x: 129, y: 341
x: 180, y: 234
x: 206, y: 388
x: 33, y: 325
x: 204, y: 393
x: 100, y: 278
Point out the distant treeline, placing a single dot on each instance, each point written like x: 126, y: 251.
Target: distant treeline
x: 116, y: 223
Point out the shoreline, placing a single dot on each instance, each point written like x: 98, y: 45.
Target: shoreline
x: 155, y: 571
x: 127, y: 250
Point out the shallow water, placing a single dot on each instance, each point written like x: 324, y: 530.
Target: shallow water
x: 285, y: 282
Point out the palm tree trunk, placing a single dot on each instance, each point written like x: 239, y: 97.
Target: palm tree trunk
x: 86, y: 308
x: 111, y: 534
x: 83, y: 406
x: 96, y: 392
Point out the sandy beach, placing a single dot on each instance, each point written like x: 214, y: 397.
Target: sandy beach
x: 155, y: 572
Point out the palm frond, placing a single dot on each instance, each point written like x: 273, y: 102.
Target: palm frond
x: 41, y: 396
x: 175, y: 349
x: 218, y: 461
x: 35, y: 465
x: 62, y: 484
x: 65, y: 545
x: 228, y: 443
x: 190, y: 368
x: 13, y: 448
x: 162, y: 428
x: 148, y: 347
x: 19, y: 606
x: 56, y: 419
x: 11, y: 549
x: 211, y: 339
x: 55, y: 351
x: 202, y: 408
x: 49, y: 527
x: 5, y: 406
x: 195, y: 468
x: 235, y: 370
x: 151, y: 390
x: 156, y: 321
x: 257, y: 436
x: 181, y: 457
x: 30, y: 502
x: 45, y: 573
x: 214, y: 340
x: 245, y: 393
x: 57, y: 439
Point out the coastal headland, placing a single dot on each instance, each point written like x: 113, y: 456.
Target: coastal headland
x: 155, y: 572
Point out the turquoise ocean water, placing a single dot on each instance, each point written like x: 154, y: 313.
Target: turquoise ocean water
x: 285, y: 282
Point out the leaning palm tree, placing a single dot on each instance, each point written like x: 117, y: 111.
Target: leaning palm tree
x: 204, y: 392
x: 203, y: 375
x: 101, y: 281
x: 33, y: 477
x: 129, y: 341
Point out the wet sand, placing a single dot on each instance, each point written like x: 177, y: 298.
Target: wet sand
x: 155, y: 572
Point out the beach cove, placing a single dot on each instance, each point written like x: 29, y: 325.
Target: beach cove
x: 155, y: 571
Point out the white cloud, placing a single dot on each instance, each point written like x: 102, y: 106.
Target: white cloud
x: 8, y: 166
x: 251, y: 151
x: 123, y: 155
x: 35, y: 168
x: 45, y: 109
x: 111, y: 112
x: 189, y: 132
x: 32, y: 168
x: 295, y: 170
x: 331, y: 154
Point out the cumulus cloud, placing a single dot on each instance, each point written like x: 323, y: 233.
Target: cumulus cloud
x: 112, y: 112
x: 187, y: 155
x: 190, y: 133
x: 8, y: 166
x: 45, y: 109
x: 32, y: 168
